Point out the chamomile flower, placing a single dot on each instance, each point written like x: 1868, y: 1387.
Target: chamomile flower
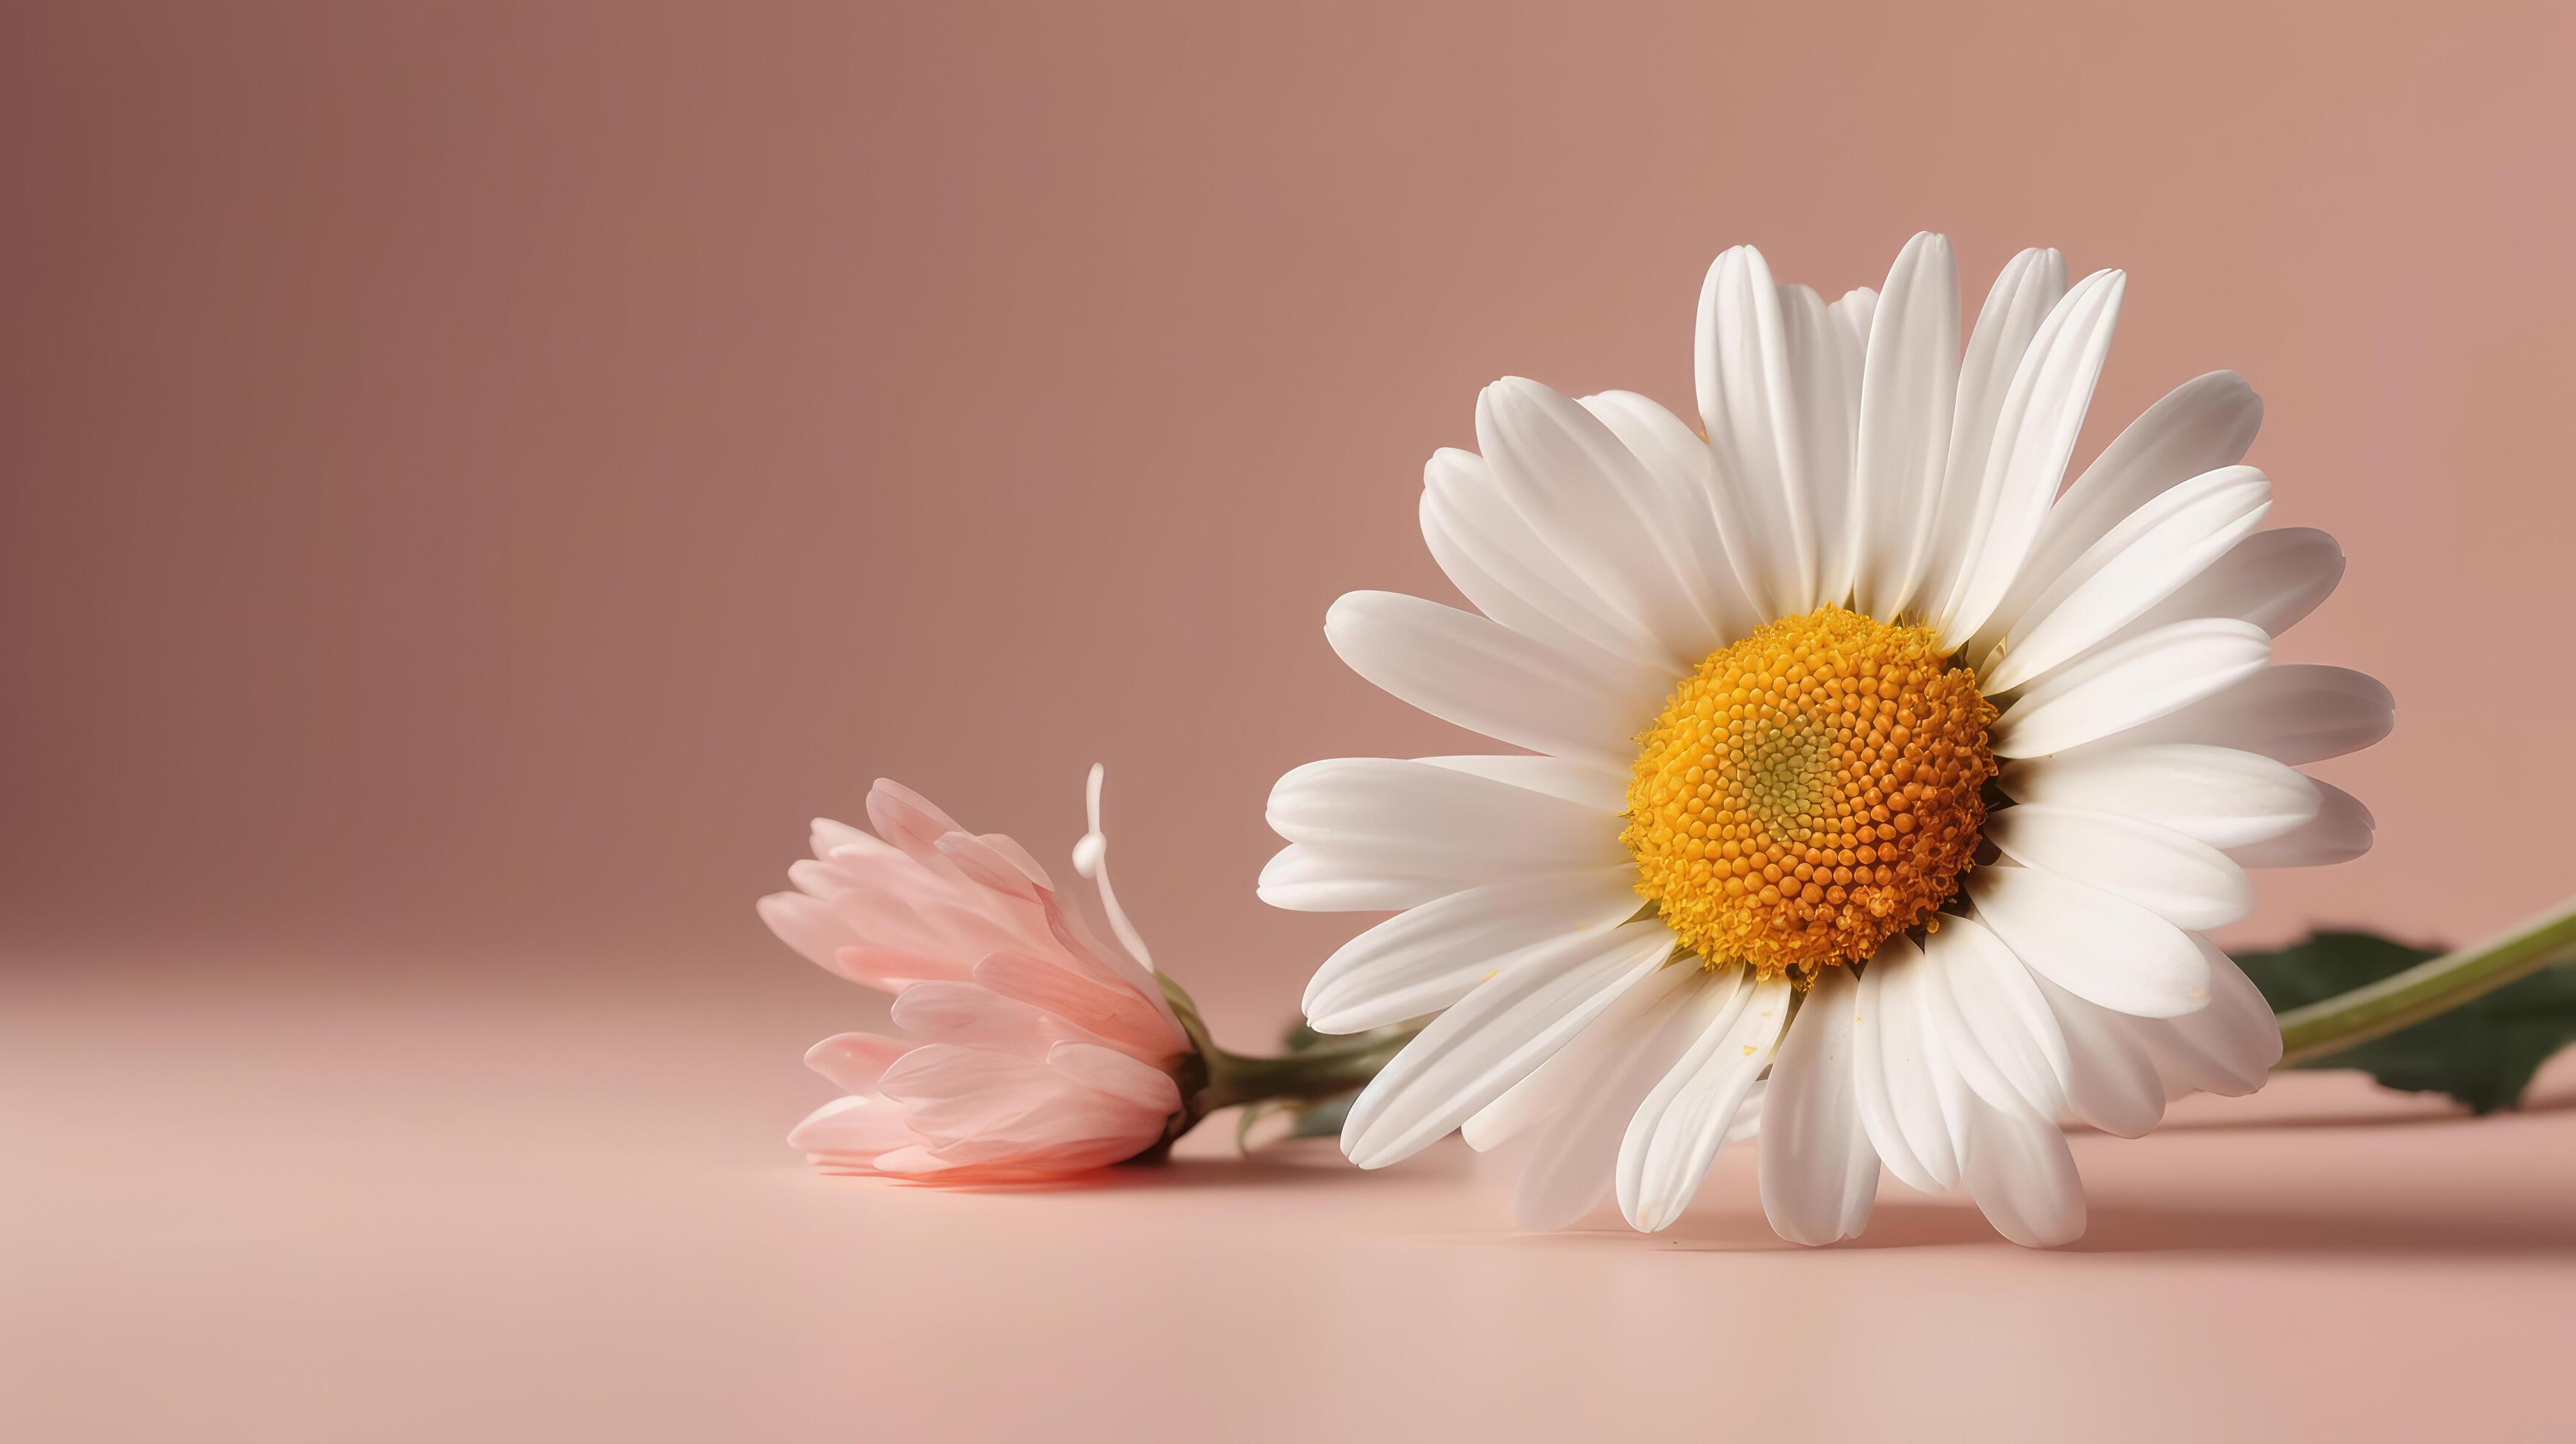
x: 1870, y: 784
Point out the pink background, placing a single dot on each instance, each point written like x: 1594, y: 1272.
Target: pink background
x: 473, y: 481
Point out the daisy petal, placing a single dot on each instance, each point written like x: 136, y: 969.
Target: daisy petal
x: 2221, y: 796
x: 1819, y: 1175
x: 1570, y: 1072
x: 1857, y: 312
x: 1419, y: 820
x: 1574, y: 1161
x: 1480, y: 674
x: 2144, y: 560
x: 1900, y: 1081
x: 2184, y: 881
x: 1676, y: 1132
x: 2103, y: 948
x: 1678, y: 461
x: 1491, y: 1040
x: 2023, y: 297
x: 2204, y: 424
x: 1825, y: 363
x: 1584, y: 490
x: 1511, y: 572
x: 2227, y: 1048
x: 2022, y: 1175
x: 1997, y: 1026
x: 1747, y: 401
x: 1593, y: 785
x: 2034, y: 435
x: 1909, y: 391
x: 1307, y: 879
x: 2341, y: 831
x: 2295, y: 713
x: 2111, y: 1082
x: 1421, y: 961
x: 2138, y: 681
x: 2272, y: 579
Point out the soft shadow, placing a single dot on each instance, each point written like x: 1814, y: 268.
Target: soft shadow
x: 1266, y: 1168
x: 2257, y: 1123
x: 2358, y: 1231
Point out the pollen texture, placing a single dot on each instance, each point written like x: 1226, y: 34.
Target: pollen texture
x: 1810, y: 792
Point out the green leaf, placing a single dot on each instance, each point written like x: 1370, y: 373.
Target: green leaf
x: 2482, y: 1053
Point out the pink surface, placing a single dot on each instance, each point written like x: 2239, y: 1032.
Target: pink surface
x: 552, y: 1213
x: 475, y: 479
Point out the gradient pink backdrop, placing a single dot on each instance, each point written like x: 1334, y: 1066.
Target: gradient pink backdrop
x: 482, y: 478
x: 474, y: 479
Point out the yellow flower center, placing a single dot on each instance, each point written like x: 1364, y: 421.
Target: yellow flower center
x: 1810, y: 792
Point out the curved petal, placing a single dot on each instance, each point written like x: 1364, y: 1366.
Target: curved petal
x: 2102, y: 948
x: 1678, y: 461
x: 2115, y: 689
x: 2022, y: 1175
x: 1908, y: 394
x: 1422, y: 961
x: 2111, y: 1082
x: 2024, y: 295
x: 1418, y: 820
x: 2034, y: 435
x: 1589, y: 495
x: 1677, y: 1131
x: 2204, y: 424
x: 1825, y: 363
x: 1512, y: 573
x: 1482, y: 675
x: 2155, y: 553
x: 2221, y: 796
x: 1574, y: 1162
x: 2227, y: 1048
x: 1601, y: 788
x: 1115, y: 1075
x: 1572, y: 1072
x: 1904, y: 1084
x: 853, y: 1132
x: 1118, y: 1015
x: 2272, y: 579
x: 1492, y: 1039
x: 1819, y: 1175
x: 1997, y: 1026
x: 2341, y: 831
x: 1304, y: 879
x: 1747, y: 400
x: 2184, y: 881
x: 2294, y: 713
x: 855, y: 1061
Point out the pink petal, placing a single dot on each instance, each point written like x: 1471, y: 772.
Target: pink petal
x: 889, y: 970
x: 1105, y: 1070
x: 988, y: 865
x: 853, y: 1130
x: 1116, y: 1014
x: 950, y: 1012
x: 977, y: 1106
x: 855, y: 1061
x: 910, y: 821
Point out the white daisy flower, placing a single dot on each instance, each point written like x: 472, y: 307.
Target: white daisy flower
x: 1871, y: 784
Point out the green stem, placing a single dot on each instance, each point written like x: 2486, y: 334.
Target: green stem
x: 1317, y: 1073
x: 2410, y: 997
x: 1217, y: 1079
